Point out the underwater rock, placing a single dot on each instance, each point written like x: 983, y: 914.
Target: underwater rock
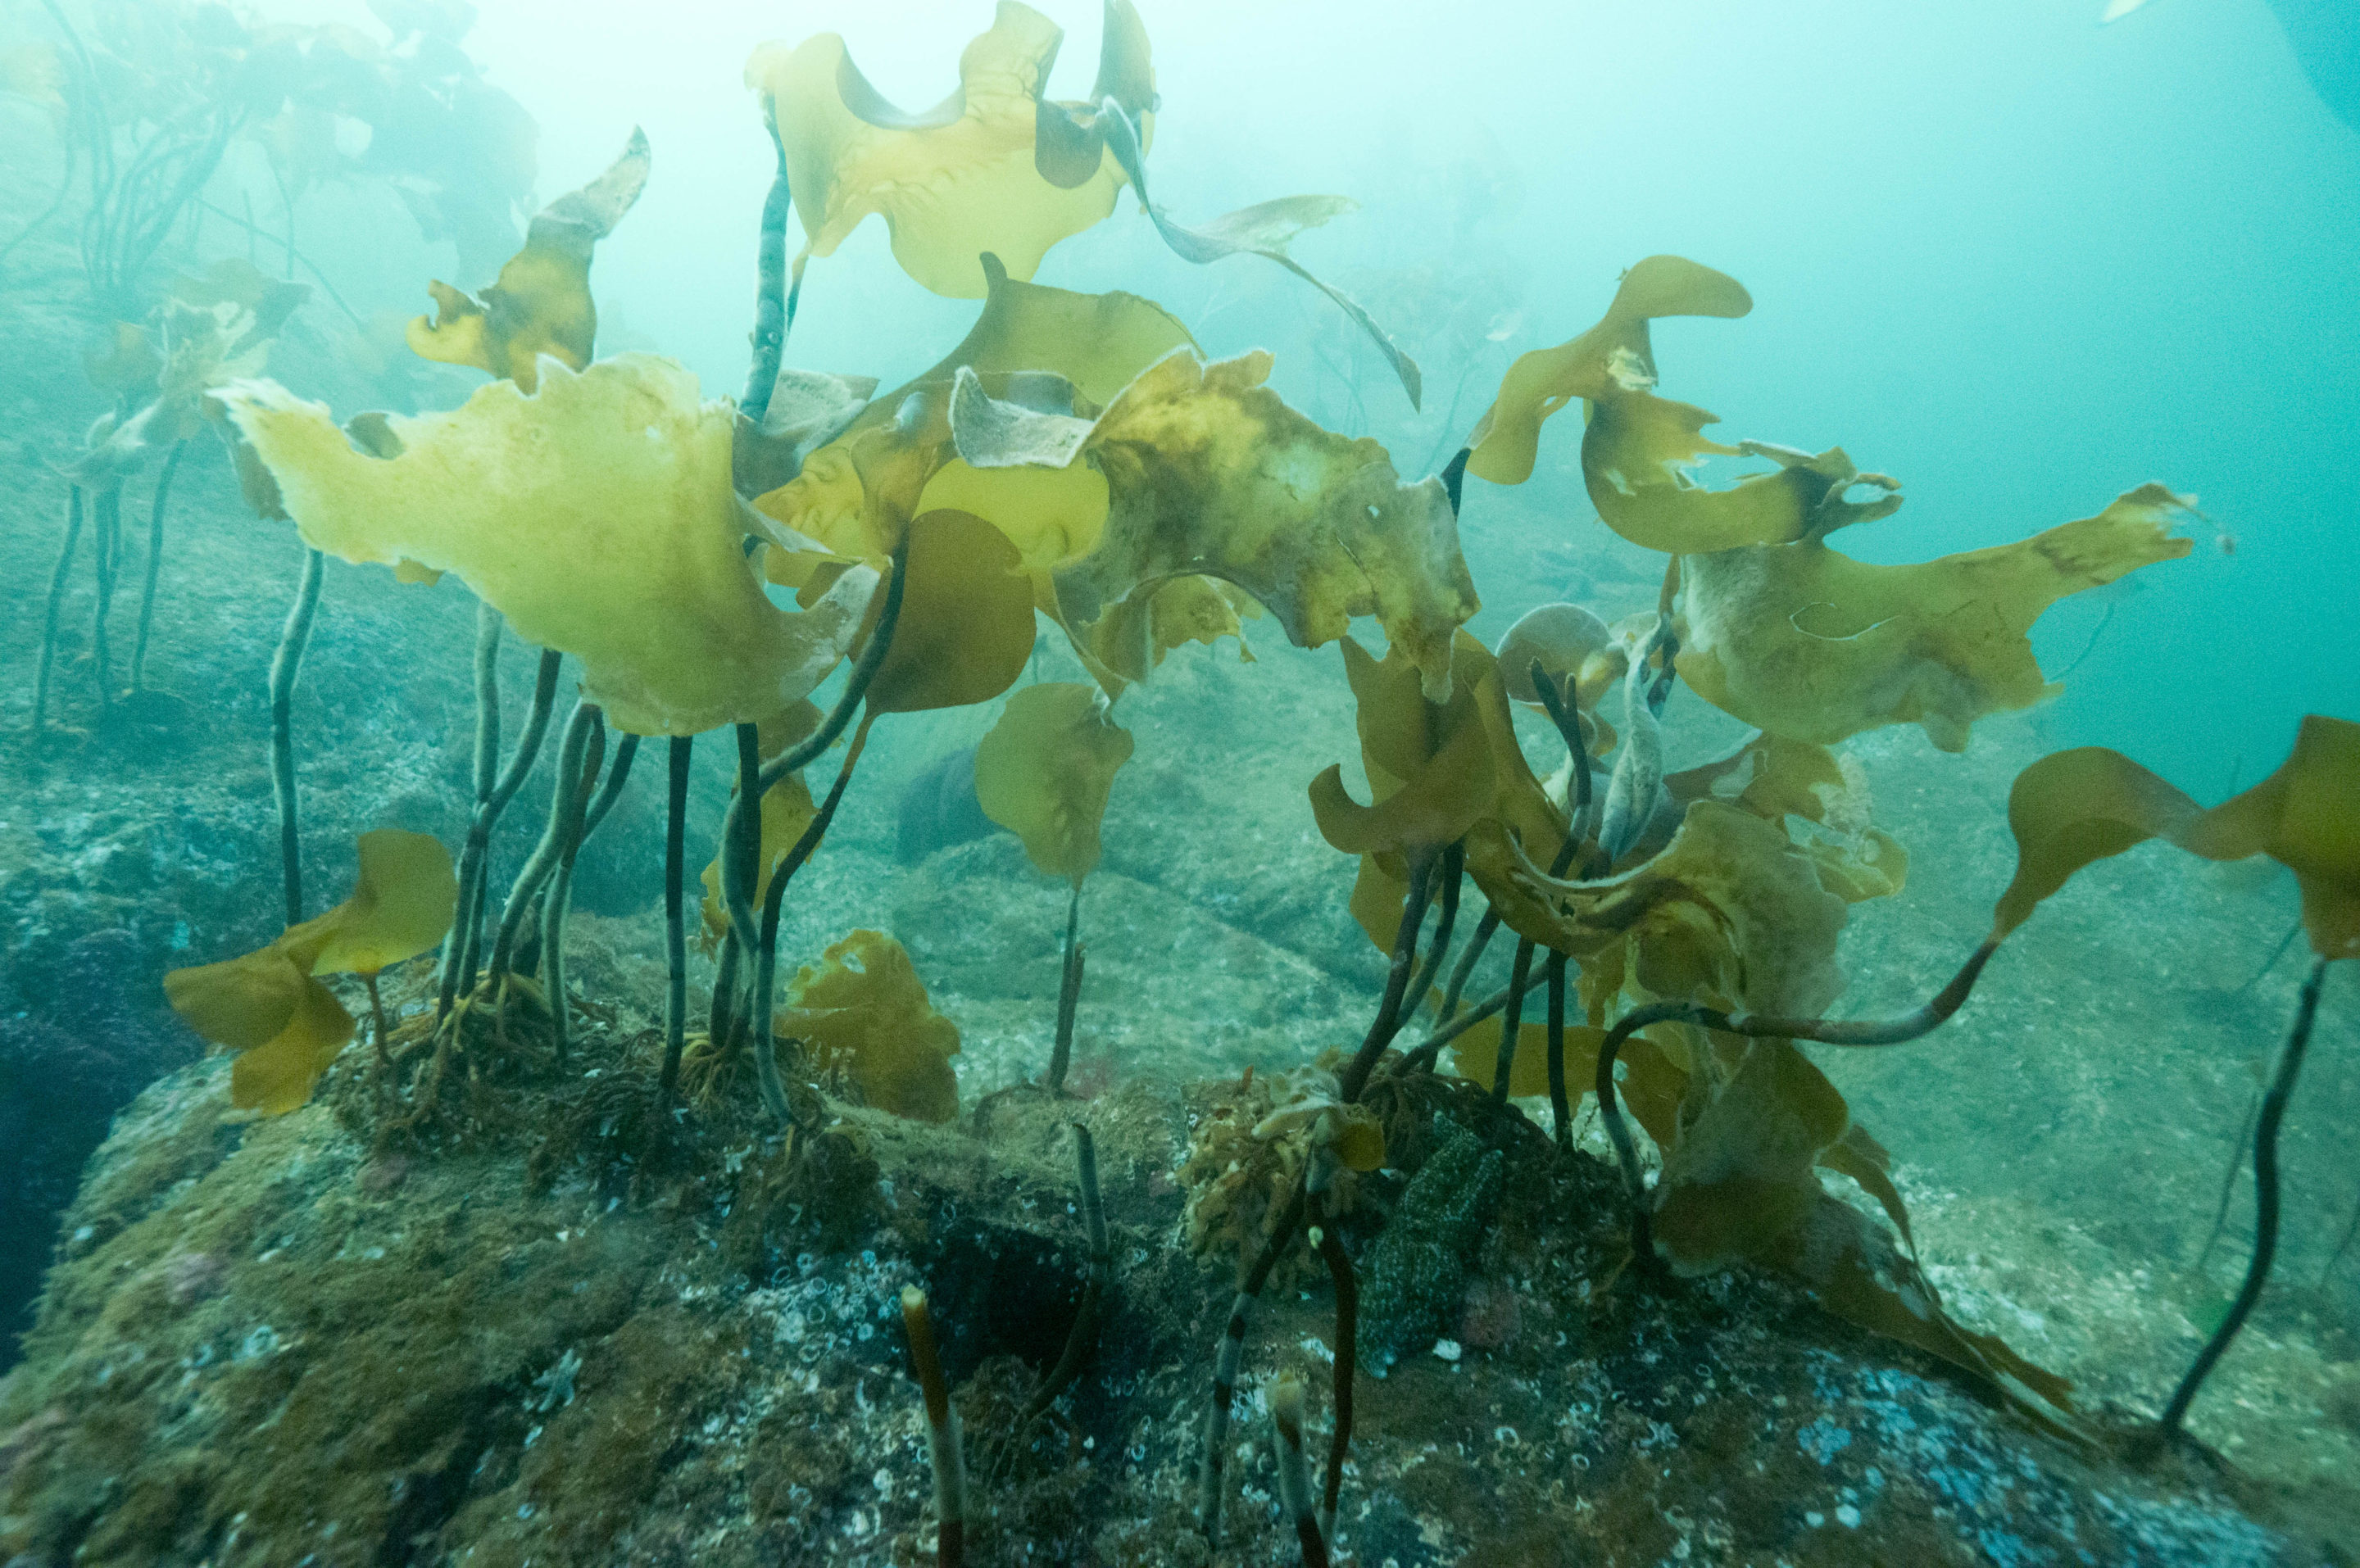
x: 985, y: 928
x: 939, y: 811
x: 1415, y: 1275
x: 65, y: 1070
x: 252, y: 1356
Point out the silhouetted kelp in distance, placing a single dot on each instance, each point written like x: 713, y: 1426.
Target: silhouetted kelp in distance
x: 146, y: 105
x: 206, y: 329
x: 1075, y: 457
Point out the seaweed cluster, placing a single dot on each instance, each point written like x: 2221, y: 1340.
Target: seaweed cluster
x: 1076, y: 458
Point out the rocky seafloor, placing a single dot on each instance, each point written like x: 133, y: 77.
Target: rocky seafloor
x: 530, y: 1340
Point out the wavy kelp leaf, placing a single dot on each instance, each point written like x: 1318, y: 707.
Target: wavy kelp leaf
x: 1475, y: 1056
x: 268, y: 1006
x: 1209, y: 472
x: 1069, y: 139
x: 1636, y: 452
x: 896, y: 459
x: 1263, y: 229
x: 1852, y: 1270
x: 965, y: 177
x: 1199, y: 609
x: 171, y: 367
x: 1859, y: 1156
x: 595, y: 513
x: 1044, y: 771
x: 1430, y: 765
x: 541, y: 303
x: 863, y: 1010
x: 2077, y: 806
x: 1813, y: 645
x: 266, y: 301
x: 787, y: 811
x: 1734, y: 911
x: 1507, y: 439
x: 1433, y: 807
x: 401, y: 905
x: 1770, y: 776
x: 965, y: 628
x: 1440, y: 770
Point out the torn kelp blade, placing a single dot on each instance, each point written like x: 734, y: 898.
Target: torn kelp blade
x: 1261, y: 230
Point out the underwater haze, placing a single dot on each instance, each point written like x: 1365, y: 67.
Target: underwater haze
x: 1165, y: 782
x: 2043, y: 255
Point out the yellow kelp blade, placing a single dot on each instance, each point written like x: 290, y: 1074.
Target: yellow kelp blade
x: 241, y: 1003
x: 278, y: 1075
x: 1263, y: 229
x: 401, y: 906
x: 1130, y: 640
x: 1475, y: 1056
x: 1811, y: 644
x: 284, y: 1024
x: 1507, y: 439
x: 863, y: 1010
x: 2306, y: 816
x: 787, y: 811
x: 1638, y: 448
x: 1209, y: 472
x: 596, y: 513
x: 965, y: 626
x: 541, y: 304
x: 1069, y: 139
x: 1743, y: 1172
x: 856, y: 493
x: 2073, y: 808
x: 1429, y: 764
x: 962, y: 177
x: 1046, y: 769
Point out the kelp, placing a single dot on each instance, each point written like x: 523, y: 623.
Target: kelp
x: 540, y: 304
x: 1805, y: 642
x: 1635, y: 455
x: 269, y: 1007
x: 1740, y: 1185
x: 1743, y: 908
x: 2075, y: 808
x: 1044, y: 771
x: 1774, y: 625
x: 1118, y: 465
x: 1506, y: 440
x: 863, y: 1010
x: 856, y: 493
x: 1263, y: 229
x: 993, y: 167
x: 787, y: 811
x: 965, y: 629
x: 1208, y: 473
x: 596, y: 513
